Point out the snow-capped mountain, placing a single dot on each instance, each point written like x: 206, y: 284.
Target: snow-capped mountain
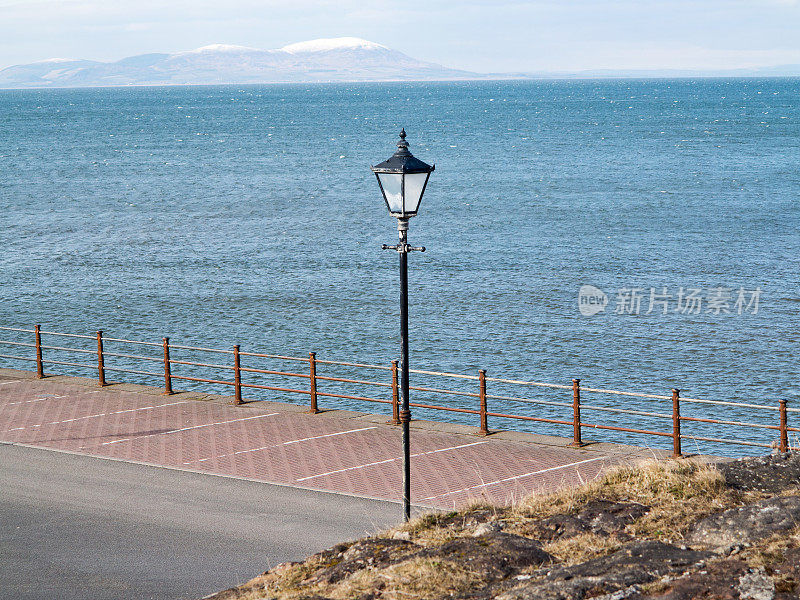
x: 336, y: 59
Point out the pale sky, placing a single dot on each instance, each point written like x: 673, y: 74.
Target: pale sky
x: 476, y: 35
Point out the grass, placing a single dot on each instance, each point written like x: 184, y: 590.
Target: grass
x: 582, y: 547
x: 414, y: 579
x: 771, y: 550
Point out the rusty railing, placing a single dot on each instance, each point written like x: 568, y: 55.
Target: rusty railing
x: 179, y: 362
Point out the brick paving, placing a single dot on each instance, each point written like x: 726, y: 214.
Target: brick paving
x: 338, y: 451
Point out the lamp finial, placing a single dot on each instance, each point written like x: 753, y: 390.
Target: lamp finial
x: 402, y: 145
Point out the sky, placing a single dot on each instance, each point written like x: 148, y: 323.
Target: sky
x: 475, y: 35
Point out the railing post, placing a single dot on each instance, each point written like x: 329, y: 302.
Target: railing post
x: 395, y: 395
x: 237, y: 376
x: 676, y: 423
x: 101, y: 368
x: 576, y: 413
x: 484, y: 430
x: 37, y: 330
x: 312, y: 363
x: 784, y: 446
x: 167, y: 371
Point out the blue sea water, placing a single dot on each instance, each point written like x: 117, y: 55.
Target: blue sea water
x: 248, y: 214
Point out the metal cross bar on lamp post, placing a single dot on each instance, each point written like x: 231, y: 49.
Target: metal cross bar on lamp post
x: 402, y: 179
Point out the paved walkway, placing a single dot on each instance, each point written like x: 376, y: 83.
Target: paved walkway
x: 340, y: 451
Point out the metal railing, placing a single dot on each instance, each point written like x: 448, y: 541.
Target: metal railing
x: 110, y: 355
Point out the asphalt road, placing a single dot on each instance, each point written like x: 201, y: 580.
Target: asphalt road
x: 75, y: 527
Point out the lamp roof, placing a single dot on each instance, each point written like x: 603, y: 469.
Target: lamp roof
x: 403, y: 161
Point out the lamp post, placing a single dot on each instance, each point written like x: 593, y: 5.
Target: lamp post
x: 402, y: 179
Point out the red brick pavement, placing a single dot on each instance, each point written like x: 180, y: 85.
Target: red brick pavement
x: 337, y: 451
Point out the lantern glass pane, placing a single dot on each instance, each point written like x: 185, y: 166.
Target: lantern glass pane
x: 415, y: 183
x: 392, y: 187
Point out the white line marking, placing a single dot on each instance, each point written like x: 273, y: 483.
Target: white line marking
x: 116, y: 412
x: 388, y: 460
x: 316, y: 437
x: 9, y: 382
x: 186, y: 429
x: 483, y: 485
x: 50, y: 397
x: 34, y: 400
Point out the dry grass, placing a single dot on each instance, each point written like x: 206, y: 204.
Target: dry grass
x: 582, y: 547
x: 414, y: 579
x: 566, y: 501
x: 284, y: 582
x: 434, y: 529
x: 772, y: 550
x: 678, y: 493
x: 650, y: 482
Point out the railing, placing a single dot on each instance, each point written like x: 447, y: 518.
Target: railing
x: 179, y: 362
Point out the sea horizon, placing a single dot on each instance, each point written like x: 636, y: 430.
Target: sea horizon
x: 489, y: 79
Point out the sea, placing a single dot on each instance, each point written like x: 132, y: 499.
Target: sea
x: 641, y: 235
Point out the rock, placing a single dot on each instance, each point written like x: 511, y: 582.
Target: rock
x: 606, y: 517
x: 495, y: 555
x: 630, y: 566
x: 602, y: 517
x: 770, y: 474
x: 722, y: 532
x: 401, y: 535
x: 370, y: 552
x: 484, y: 528
x: 558, y: 527
x: 630, y: 592
x: 635, y: 563
x: 786, y: 575
x: 756, y: 585
x: 716, y: 580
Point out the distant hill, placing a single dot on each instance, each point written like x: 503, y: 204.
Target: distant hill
x: 337, y: 59
x: 324, y: 60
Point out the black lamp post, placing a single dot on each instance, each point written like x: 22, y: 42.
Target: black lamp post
x: 402, y: 179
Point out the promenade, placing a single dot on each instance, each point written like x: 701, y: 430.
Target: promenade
x: 339, y: 451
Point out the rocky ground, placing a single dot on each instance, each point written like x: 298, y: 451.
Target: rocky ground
x: 674, y: 530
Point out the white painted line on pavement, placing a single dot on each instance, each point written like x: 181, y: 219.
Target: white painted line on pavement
x: 483, y: 485
x: 34, y: 400
x: 186, y: 429
x: 388, y: 460
x: 43, y: 398
x: 316, y: 437
x: 116, y: 412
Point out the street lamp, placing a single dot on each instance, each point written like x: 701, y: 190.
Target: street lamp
x: 402, y: 179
